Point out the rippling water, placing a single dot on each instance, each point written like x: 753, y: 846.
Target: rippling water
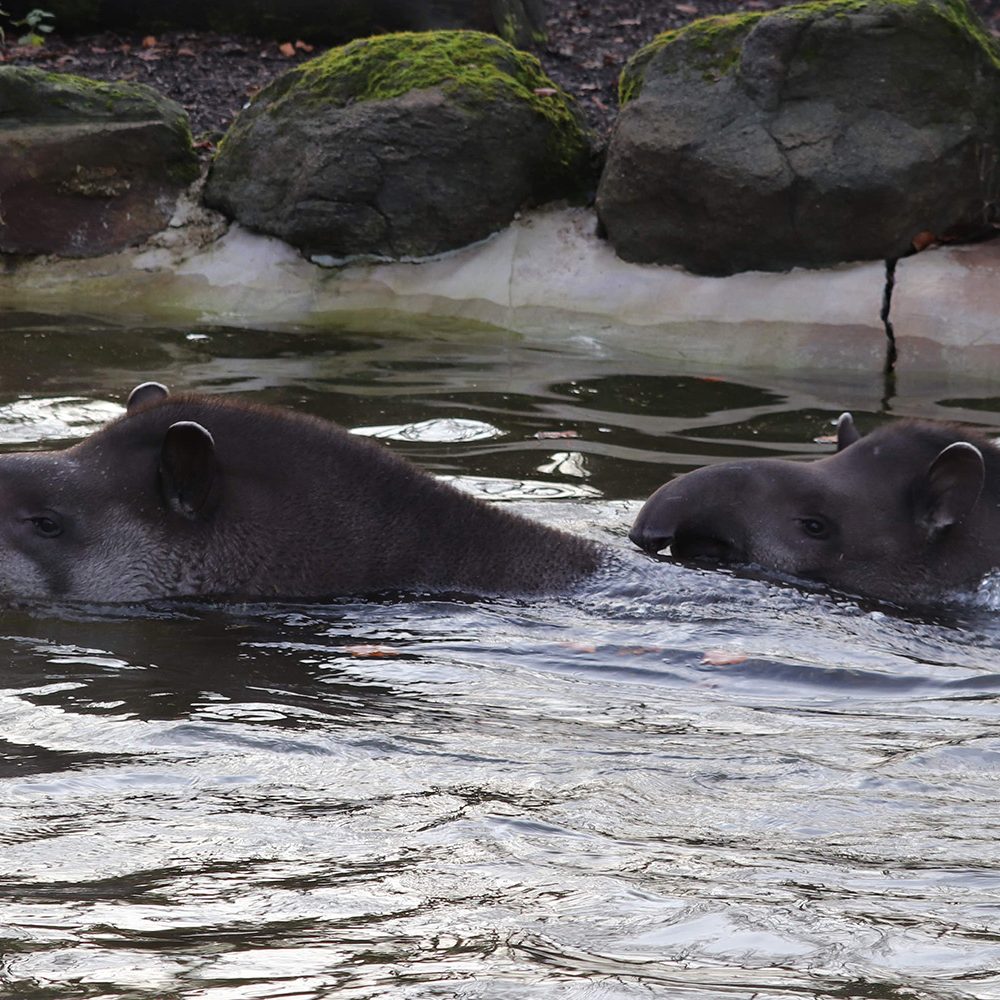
x: 670, y: 783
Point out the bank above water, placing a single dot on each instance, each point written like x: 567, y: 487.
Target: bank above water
x: 546, y: 276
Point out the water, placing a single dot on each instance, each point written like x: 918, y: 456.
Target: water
x: 671, y: 783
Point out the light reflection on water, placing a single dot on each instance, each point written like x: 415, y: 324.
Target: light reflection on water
x: 670, y: 783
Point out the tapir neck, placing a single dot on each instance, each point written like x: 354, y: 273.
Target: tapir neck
x: 421, y: 535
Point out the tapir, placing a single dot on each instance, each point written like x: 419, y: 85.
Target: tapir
x: 194, y: 495
x: 908, y: 514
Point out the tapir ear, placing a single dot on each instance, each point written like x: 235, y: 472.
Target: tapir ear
x: 954, y: 481
x: 148, y: 392
x: 188, y: 469
x: 847, y: 433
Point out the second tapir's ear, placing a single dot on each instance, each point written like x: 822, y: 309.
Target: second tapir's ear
x: 847, y: 433
x: 188, y: 469
x: 954, y: 482
x: 148, y: 392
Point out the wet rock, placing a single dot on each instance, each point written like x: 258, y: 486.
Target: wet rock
x: 86, y: 168
x: 810, y: 135
x: 400, y: 146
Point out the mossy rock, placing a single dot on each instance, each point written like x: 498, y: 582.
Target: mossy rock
x: 87, y: 168
x: 518, y: 21
x: 809, y: 135
x: 401, y: 145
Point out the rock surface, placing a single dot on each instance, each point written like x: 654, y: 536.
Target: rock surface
x: 400, y: 146
x: 86, y: 168
x: 811, y: 135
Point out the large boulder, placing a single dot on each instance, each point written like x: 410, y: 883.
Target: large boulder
x: 86, y: 168
x: 813, y: 134
x: 518, y: 21
x: 400, y: 146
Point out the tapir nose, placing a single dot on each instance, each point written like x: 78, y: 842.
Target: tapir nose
x: 694, y: 515
x: 654, y: 526
x: 651, y: 542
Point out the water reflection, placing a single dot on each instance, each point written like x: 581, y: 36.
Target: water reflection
x: 672, y: 782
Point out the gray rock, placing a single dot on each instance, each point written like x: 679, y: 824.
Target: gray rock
x: 86, y: 168
x: 400, y: 146
x: 810, y: 135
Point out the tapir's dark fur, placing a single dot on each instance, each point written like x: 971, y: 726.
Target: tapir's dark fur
x: 196, y: 495
x: 908, y: 514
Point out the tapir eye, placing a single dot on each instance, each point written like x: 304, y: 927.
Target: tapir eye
x: 46, y: 526
x: 814, y: 527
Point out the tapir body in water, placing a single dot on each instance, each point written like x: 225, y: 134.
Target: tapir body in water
x: 193, y: 495
x: 908, y: 514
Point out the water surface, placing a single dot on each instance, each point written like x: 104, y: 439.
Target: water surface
x: 669, y: 783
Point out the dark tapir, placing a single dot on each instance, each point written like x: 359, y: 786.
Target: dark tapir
x: 200, y: 495
x: 909, y: 513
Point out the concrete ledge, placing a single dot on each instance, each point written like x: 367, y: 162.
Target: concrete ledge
x: 547, y: 276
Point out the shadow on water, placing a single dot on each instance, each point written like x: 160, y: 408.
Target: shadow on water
x: 671, y: 782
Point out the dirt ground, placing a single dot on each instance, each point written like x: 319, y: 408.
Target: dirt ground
x: 213, y: 76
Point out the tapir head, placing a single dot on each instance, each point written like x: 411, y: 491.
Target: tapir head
x: 907, y: 514
x: 114, y: 517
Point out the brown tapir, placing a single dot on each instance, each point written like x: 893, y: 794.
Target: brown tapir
x: 908, y: 514
x: 198, y: 495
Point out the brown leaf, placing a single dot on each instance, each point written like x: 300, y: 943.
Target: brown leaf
x: 287, y: 49
x: 370, y: 652
x: 578, y: 647
x: 546, y: 91
x: 186, y: 52
x: 722, y: 658
x: 149, y: 42
x: 304, y: 46
x: 923, y: 240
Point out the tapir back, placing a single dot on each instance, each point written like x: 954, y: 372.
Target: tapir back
x: 301, y: 508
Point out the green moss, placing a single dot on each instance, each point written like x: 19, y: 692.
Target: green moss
x: 712, y: 45
x: 474, y: 68
x: 34, y: 95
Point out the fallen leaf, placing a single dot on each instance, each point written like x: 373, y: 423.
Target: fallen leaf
x: 304, y: 46
x: 578, y: 647
x: 149, y: 42
x: 722, y: 658
x: 685, y: 8
x: 287, y: 49
x: 546, y: 91
x: 186, y: 52
x: 370, y: 652
x: 923, y: 240
x: 553, y: 435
